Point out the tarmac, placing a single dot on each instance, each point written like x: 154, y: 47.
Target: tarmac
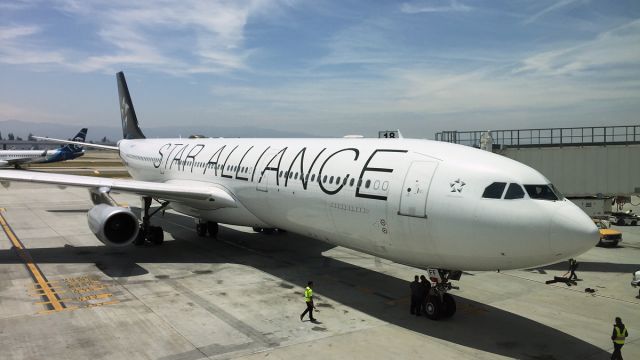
x: 64, y: 295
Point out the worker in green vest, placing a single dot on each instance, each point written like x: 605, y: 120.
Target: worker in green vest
x: 308, y: 298
x: 618, y: 336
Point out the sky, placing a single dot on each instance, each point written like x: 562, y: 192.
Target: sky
x: 324, y: 68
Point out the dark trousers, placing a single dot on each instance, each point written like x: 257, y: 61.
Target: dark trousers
x: 617, y: 354
x: 416, y: 304
x: 573, y: 275
x: 309, y: 310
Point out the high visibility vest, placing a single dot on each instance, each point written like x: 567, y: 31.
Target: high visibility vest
x: 308, y: 293
x: 620, y: 335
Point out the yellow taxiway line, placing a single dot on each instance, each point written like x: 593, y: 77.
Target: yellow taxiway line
x: 53, y: 301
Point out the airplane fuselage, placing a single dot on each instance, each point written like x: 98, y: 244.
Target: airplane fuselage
x: 7, y: 157
x: 416, y: 202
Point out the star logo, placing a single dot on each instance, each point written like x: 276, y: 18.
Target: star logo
x: 124, y: 107
x: 457, y: 185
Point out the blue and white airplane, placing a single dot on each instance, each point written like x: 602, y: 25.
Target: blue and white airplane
x: 422, y: 203
x: 17, y: 158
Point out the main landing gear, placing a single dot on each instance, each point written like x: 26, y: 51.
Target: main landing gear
x: 204, y: 227
x: 147, y: 232
x: 440, y: 304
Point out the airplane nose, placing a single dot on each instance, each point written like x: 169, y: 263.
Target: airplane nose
x: 572, y: 231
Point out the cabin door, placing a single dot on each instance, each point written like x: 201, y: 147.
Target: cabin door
x: 415, y: 191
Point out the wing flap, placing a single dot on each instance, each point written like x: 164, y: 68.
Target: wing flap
x: 218, y: 197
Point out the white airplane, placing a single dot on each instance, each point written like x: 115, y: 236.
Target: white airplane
x: 17, y: 158
x: 428, y: 204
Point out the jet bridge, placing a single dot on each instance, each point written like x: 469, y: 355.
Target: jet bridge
x: 597, y: 161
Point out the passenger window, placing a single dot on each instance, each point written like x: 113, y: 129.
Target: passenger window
x: 331, y: 180
x: 295, y: 177
x: 367, y: 184
x: 324, y: 179
x: 514, y: 192
x: 338, y: 180
x: 494, y: 191
x: 353, y: 180
x: 313, y: 177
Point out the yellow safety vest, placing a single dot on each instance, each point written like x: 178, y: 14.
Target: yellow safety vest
x: 308, y: 293
x: 619, y: 335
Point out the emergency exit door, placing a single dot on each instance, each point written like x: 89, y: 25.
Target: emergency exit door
x: 415, y: 191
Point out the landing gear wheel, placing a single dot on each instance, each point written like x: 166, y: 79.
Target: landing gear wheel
x: 268, y: 230
x: 449, y: 306
x: 212, y: 228
x: 257, y: 229
x: 155, y: 235
x: 433, y: 308
x: 139, y: 241
x: 201, y: 229
x: 620, y: 222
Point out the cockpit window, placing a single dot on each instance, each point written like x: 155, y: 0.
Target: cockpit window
x: 541, y: 192
x: 494, y: 191
x: 557, y: 192
x: 514, y: 192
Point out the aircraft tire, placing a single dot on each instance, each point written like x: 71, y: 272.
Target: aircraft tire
x: 201, y: 229
x: 139, y: 241
x: 155, y: 235
x: 449, y: 306
x: 257, y: 229
x: 620, y: 222
x: 212, y: 228
x: 433, y: 308
x: 268, y: 230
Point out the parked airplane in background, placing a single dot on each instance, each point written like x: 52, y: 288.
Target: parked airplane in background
x: 423, y: 203
x: 17, y: 158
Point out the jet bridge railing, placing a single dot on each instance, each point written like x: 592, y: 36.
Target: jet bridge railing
x: 576, y: 136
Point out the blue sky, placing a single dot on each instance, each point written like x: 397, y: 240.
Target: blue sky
x: 325, y: 68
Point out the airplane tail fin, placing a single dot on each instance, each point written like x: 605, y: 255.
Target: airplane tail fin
x: 80, y: 137
x: 130, y: 128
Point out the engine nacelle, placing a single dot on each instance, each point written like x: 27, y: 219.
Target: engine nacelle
x: 3, y: 163
x: 113, y: 225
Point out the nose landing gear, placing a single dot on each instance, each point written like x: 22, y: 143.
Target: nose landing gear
x: 441, y: 304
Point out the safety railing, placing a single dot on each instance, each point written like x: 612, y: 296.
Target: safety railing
x: 577, y: 136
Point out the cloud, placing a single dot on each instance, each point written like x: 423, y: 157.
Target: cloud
x: 185, y: 37
x: 416, y: 8
x: 612, y: 50
x: 549, y: 9
x: 15, y: 47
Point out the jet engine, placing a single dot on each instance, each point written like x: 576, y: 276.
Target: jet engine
x: 113, y: 225
x: 3, y: 163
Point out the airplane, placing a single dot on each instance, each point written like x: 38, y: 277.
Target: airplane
x: 16, y: 158
x: 439, y: 206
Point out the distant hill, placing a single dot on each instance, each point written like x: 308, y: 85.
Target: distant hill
x: 96, y: 133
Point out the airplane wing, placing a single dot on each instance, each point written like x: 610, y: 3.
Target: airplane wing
x: 97, y: 146
x: 215, y: 196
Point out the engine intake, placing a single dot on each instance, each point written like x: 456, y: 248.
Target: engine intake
x: 113, y: 225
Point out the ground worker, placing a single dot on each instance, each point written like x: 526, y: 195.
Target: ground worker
x: 308, y: 299
x: 618, y: 336
x: 416, y: 300
x: 426, y: 288
x: 573, y: 266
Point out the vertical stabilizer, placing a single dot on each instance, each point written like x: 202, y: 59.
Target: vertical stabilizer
x: 130, y: 129
x: 80, y: 137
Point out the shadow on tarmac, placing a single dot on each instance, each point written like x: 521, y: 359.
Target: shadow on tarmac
x: 296, y: 259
